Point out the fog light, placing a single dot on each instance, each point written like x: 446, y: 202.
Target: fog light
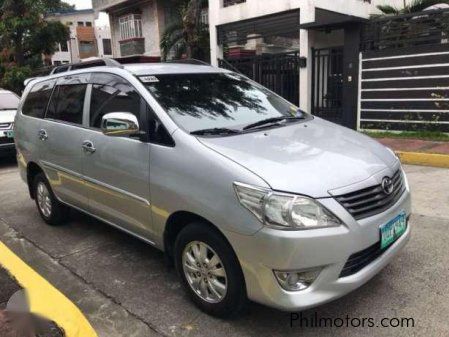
x: 296, y: 280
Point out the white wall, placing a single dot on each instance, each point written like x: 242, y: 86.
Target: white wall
x: 102, y: 32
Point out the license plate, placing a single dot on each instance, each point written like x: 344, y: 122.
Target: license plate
x: 392, y: 230
x: 9, y: 134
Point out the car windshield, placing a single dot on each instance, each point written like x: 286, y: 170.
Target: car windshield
x: 8, y: 101
x: 217, y: 101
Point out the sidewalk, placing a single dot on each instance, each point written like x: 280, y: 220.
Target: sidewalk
x: 14, y: 323
x: 8, y: 287
x: 416, y: 145
x: 419, y: 152
x: 43, y: 309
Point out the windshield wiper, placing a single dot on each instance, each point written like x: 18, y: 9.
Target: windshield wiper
x: 215, y: 131
x: 272, y: 121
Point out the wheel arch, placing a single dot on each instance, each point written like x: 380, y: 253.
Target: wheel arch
x: 179, y: 220
x: 33, y: 169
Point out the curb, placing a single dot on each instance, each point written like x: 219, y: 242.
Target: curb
x: 424, y: 159
x: 45, y: 300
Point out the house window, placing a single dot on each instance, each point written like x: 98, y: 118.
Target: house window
x: 87, y: 47
x: 80, y: 23
x: 107, y: 47
x: 227, y: 3
x: 88, y: 24
x: 130, y: 26
x: 205, y: 16
x: 64, y: 46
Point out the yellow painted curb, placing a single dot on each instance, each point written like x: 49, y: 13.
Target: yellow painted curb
x: 45, y: 300
x: 424, y: 159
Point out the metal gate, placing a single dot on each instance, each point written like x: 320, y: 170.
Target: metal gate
x: 278, y: 72
x: 327, y: 83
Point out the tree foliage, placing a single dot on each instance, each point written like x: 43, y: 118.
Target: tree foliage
x: 411, y: 6
x: 186, y: 34
x: 25, y: 35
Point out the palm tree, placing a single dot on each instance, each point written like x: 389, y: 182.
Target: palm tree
x: 186, y: 34
x: 412, y: 6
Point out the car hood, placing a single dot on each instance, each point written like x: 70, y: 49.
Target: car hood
x: 309, y: 158
x: 7, y: 116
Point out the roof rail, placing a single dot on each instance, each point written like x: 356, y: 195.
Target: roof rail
x: 190, y: 61
x: 87, y: 64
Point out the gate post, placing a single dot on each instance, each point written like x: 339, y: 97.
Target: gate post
x: 359, y: 91
x: 351, y: 75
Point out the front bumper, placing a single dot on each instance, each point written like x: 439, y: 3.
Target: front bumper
x: 328, y: 248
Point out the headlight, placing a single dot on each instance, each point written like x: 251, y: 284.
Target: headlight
x: 284, y: 211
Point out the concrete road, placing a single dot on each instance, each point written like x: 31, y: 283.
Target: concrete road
x: 124, y: 288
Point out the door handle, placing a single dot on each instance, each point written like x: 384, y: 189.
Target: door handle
x: 42, y: 134
x: 88, y: 146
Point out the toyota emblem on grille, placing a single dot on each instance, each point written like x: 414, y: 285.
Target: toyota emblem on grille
x: 387, y: 185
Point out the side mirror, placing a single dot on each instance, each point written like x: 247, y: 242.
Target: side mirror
x: 119, y: 124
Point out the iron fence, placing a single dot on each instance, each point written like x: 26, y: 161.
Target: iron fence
x: 408, y: 30
x: 278, y: 72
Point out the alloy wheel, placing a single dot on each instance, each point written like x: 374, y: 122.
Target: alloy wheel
x: 43, y: 199
x: 204, y: 272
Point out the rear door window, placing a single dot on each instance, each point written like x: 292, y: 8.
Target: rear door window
x: 67, y: 102
x: 37, y: 100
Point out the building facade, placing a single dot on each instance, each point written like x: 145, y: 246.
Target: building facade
x: 306, y: 50
x: 136, y: 25
x: 86, y: 40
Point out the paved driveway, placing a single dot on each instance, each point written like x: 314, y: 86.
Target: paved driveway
x: 125, y: 289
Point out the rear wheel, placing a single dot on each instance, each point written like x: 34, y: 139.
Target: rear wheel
x: 210, y: 271
x: 50, y: 209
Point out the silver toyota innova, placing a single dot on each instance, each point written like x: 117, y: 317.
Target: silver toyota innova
x: 251, y: 197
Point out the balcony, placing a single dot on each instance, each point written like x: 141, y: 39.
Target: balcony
x: 227, y: 3
x: 102, y: 5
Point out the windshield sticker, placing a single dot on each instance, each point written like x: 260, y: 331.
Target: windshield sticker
x: 149, y: 79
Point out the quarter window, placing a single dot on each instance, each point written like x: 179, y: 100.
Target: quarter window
x: 115, y: 96
x: 67, y: 103
x: 37, y: 100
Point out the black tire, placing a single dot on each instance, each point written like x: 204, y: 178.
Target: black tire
x: 235, y: 300
x: 58, y: 211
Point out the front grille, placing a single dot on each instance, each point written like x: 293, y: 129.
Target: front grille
x: 5, y: 126
x: 372, y: 200
x: 360, y: 260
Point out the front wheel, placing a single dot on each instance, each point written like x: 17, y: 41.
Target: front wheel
x: 210, y: 271
x: 50, y: 209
